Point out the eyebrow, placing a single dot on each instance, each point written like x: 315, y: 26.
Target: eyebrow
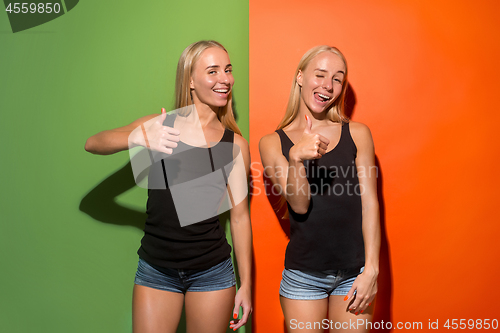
x: 217, y: 66
x: 325, y: 71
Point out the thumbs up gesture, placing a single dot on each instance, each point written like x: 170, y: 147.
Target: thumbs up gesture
x: 310, y: 146
x: 159, y: 137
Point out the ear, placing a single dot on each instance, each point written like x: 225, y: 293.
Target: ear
x: 191, y: 83
x: 299, y: 78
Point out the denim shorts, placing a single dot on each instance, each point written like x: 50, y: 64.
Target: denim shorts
x: 218, y: 277
x: 301, y: 285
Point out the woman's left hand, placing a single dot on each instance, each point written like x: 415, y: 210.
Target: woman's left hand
x: 365, y: 286
x: 244, y: 299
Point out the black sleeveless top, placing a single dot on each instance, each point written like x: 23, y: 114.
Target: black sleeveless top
x: 167, y: 243
x: 329, y: 235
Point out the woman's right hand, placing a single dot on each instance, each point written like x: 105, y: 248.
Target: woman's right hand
x: 310, y: 146
x: 155, y: 136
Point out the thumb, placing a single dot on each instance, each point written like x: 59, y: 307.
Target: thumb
x: 308, y: 125
x: 350, y: 293
x: 162, y: 117
x: 236, y: 311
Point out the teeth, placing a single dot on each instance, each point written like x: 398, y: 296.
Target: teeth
x: 221, y: 90
x: 323, y: 96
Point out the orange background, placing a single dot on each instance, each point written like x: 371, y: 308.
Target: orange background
x: 425, y: 79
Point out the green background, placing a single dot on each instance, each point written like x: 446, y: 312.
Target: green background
x: 72, y: 221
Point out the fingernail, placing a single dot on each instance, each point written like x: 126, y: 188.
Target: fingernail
x: 361, y: 311
x: 305, y: 117
x: 235, y: 315
x: 356, y: 313
x: 346, y: 298
x: 369, y: 304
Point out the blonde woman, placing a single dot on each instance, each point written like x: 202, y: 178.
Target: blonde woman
x: 189, y: 265
x: 324, y: 166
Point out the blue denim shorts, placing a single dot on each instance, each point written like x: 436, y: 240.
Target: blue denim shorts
x: 301, y: 285
x: 218, y: 277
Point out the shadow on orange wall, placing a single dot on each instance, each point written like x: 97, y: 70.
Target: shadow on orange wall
x: 383, y: 307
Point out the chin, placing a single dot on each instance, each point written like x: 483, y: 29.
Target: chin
x: 220, y: 104
x: 215, y: 104
x: 318, y: 110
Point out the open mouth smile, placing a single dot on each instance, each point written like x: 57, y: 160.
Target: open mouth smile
x: 321, y: 98
x: 222, y: 92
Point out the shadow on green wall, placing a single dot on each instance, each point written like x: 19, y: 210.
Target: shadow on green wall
x: 100, y: 202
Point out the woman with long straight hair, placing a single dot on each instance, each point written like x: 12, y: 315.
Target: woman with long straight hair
x: 324, y: 167
x: 190, y: 264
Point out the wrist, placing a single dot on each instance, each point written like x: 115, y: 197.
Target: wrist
x: 136, y: 138
x: 292, y: 156
x: 371, y: 270
x: 244, y: 285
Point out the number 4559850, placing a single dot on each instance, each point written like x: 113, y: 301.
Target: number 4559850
x: 471, y: 324
x: 33, y: 8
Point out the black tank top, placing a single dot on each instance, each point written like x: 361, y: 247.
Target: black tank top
x: 167, y: 244
x: 329, y: 235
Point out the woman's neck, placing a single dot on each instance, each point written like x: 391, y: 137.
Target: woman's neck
x: 206, y: 114
x: 316, y: 118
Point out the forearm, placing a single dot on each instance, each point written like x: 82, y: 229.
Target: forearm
x: 108, y: 142
x: 371, y: 236
x: 297, y: 187
x: 241, y: 232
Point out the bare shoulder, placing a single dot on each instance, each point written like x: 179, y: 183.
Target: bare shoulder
x: 240, y: 141
x: 359, y: 131
x: 242, y: 144
x: 269, y: 143
x: 358, y: 128
x: 361, y: 134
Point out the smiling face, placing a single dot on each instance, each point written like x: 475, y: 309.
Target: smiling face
x: 212, y: 78
x: 321, y: 82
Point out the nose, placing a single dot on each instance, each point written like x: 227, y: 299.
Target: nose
x: 224, y: 78
x: 328, y: 85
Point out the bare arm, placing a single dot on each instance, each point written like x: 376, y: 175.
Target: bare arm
x: 147, y: 131
x: 241, y: 232
x: 290, y: 176
x: 366, y: 283
x: 114, y: 140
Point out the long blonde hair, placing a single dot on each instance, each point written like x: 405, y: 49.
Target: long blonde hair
x: 183, y: 98
x: 336, y: 112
